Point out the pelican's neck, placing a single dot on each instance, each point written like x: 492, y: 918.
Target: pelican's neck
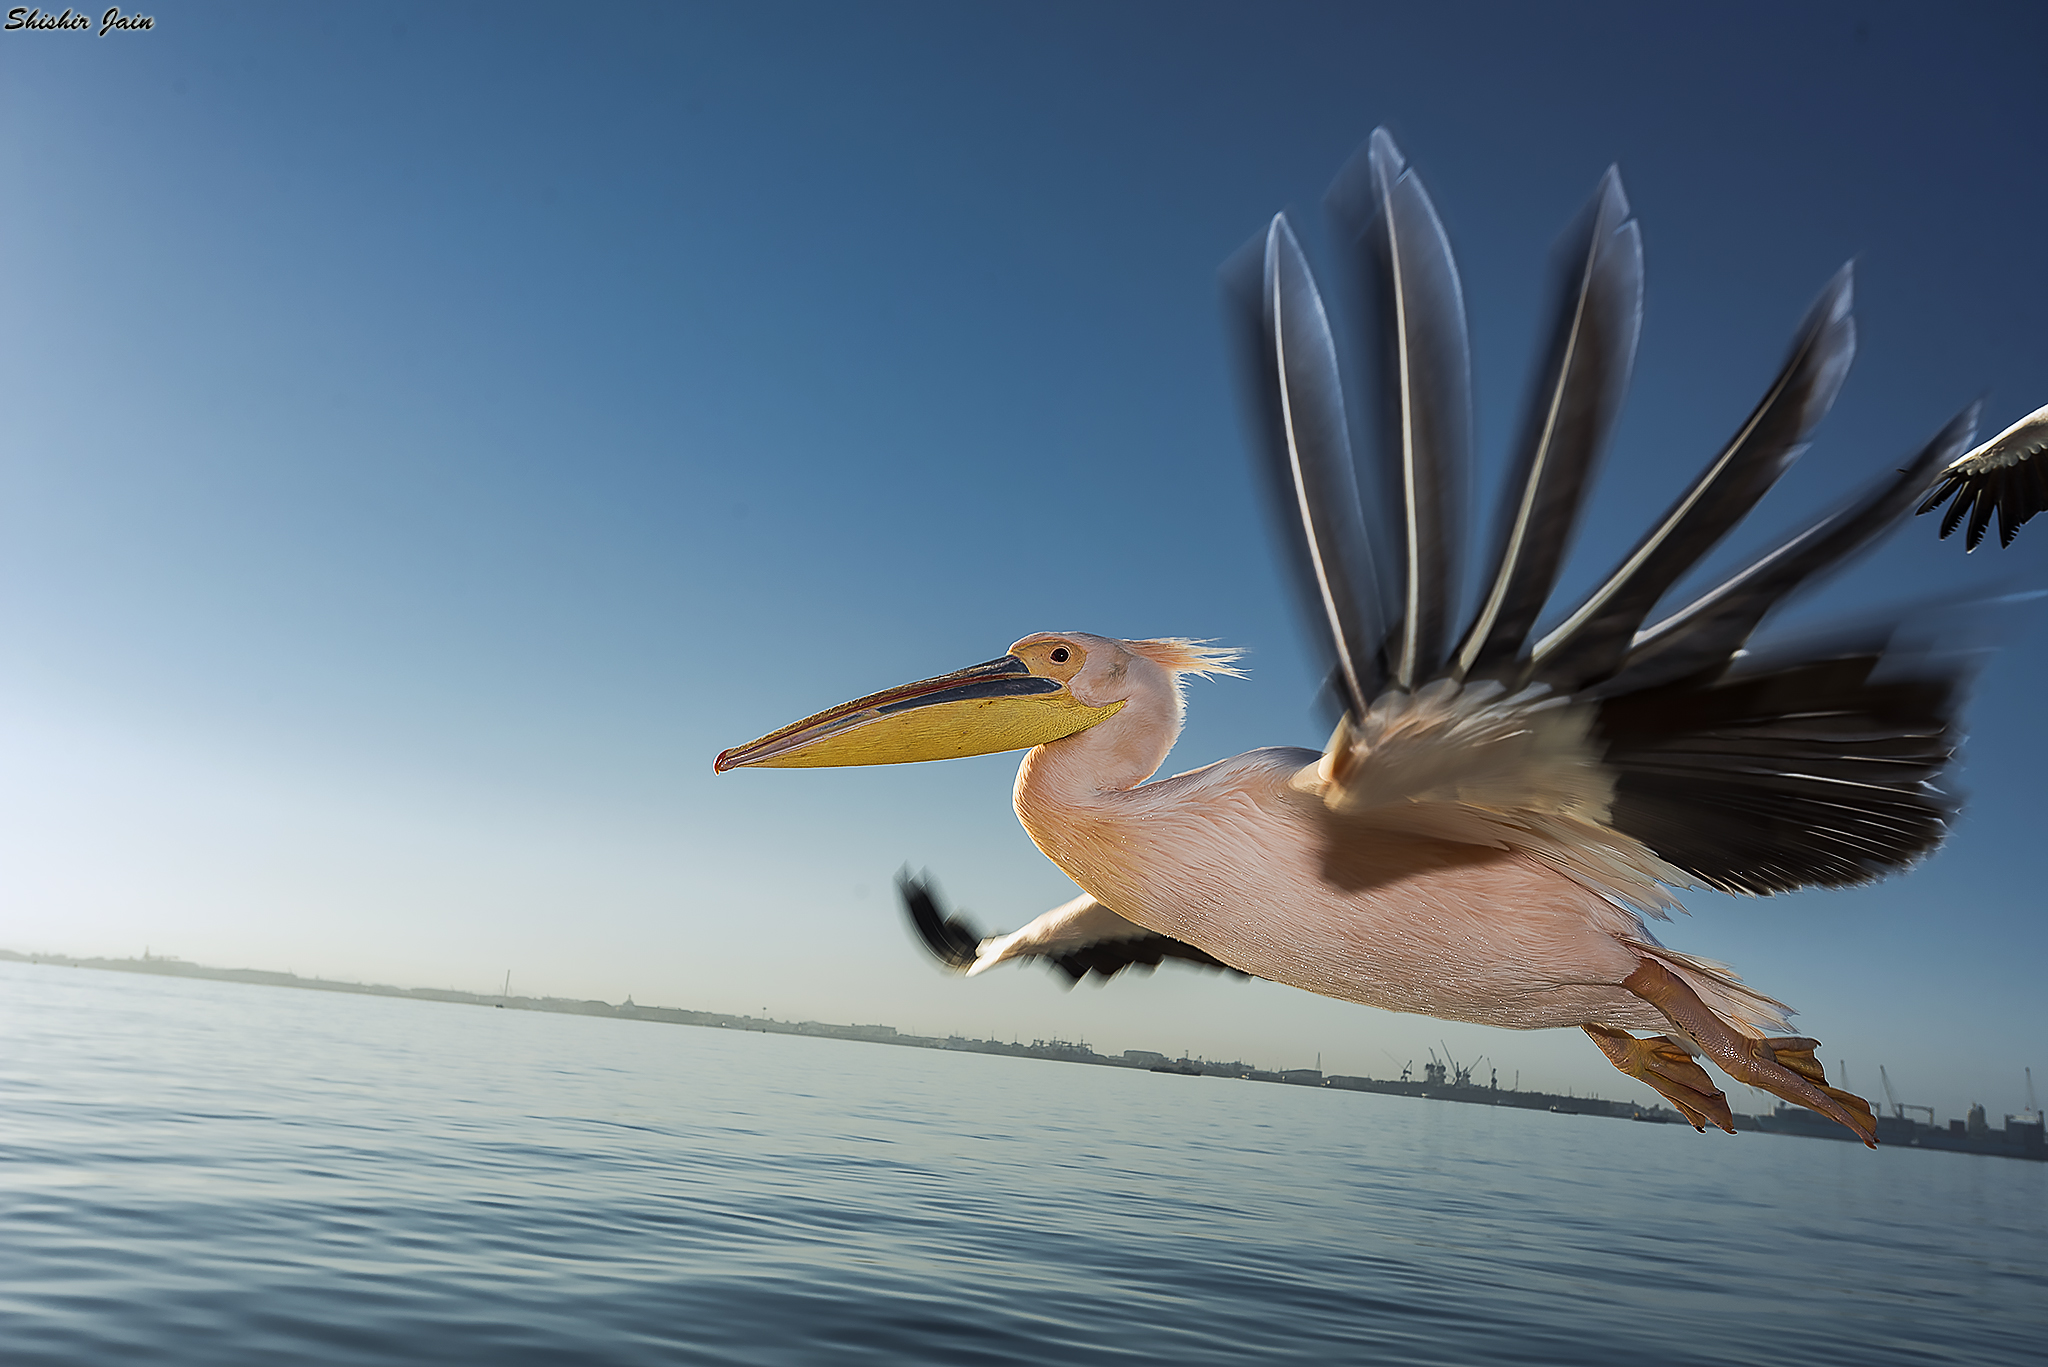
x: 1076, y: 795
x: 1113, y: 756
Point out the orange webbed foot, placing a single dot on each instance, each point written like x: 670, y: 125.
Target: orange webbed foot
x: 1666, y: 1065
x: 1797, y: 1055
x: 1783, y: 1067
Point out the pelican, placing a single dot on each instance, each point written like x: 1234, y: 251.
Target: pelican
x: 2004, y: 473
x: 1498, y: 815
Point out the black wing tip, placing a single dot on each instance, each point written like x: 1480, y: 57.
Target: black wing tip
x: 1609, y: 209
x: 1943, y: 490
x: 1833, y: 332
x: 950, y: 940
x: 1283, y: 252
x: 1968, y: 420
x: 1246, y: 271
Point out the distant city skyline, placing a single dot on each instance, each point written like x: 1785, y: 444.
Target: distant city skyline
x: 431, y: 438
x: 1442, y: 1077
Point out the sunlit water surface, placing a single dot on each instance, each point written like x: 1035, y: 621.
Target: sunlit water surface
x: 213, y: 1173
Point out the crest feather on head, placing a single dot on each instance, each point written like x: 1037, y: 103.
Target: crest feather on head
x: 1185, y: 656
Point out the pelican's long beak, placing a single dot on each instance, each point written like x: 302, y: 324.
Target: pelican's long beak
x: 996, y: 706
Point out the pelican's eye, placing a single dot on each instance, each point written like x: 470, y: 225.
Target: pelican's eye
x: 1059, y: 656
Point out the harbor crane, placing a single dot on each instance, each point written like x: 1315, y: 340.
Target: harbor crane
x: 1449, y: 1070
x: 1898, y: 1109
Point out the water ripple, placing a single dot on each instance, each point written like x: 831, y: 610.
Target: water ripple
x: 213, y: 1173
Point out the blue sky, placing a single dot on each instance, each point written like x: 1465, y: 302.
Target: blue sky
x: 432, y: 433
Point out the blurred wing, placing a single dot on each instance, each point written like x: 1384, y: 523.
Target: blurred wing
x: 1079, y: 938
x: 1630, y: 759
x: 1289, y: 376
x: 1425, y: 384
x: 2006, y: 474
x: 1590, y: 644
x: 1596, y: 321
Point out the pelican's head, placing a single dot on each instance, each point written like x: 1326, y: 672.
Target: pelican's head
x: 1050, y: 686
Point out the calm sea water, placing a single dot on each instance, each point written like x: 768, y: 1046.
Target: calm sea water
x: 213, y: 1173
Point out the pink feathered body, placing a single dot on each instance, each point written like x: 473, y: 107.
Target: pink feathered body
x: 1238, y: 860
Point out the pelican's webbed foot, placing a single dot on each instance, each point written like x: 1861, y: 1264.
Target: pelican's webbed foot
x: 1797, y: 1055
x: 1782, y: 1067
x: 1668, y: 1066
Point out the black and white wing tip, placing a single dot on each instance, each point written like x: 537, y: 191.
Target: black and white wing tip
x: 1080, y: 938
x: 2006, y: 474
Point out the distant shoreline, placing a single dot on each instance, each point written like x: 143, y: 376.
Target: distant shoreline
x: 2016, y: 1140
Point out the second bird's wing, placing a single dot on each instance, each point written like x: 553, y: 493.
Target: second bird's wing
x: 2007, y: 473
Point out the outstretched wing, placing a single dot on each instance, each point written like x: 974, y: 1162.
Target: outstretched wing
x: 1079, y: 938
x: 2006, y: 474
x: 1632, y: 757
x: 1378, y: 608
